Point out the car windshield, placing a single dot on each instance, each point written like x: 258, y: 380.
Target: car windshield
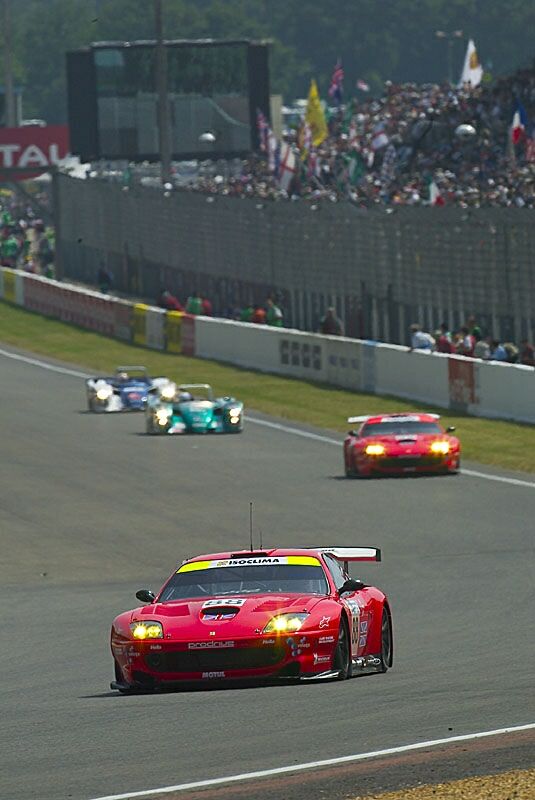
x: 246, y: 579
x: 398, y: 427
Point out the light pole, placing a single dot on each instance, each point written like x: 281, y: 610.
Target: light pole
x: 9, y: 97
x: 161, y: 91
x: 449, y: 36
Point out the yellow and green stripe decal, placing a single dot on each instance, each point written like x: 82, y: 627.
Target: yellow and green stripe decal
x: 254, y: 561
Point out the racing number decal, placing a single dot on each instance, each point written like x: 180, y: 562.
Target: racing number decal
x: 354, y: 610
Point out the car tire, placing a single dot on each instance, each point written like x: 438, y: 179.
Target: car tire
x: 351, y: 472
x: 342, y: 653
x: 387, y: 643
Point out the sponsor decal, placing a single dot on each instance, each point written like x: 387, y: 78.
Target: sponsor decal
x: 408, y: 418
x: 213, y: 675
x: 364, y: 626
x: 253, y: 561
x: 324, y: 622
x: 297, y: 647
x: 321, y: 659
x: 224, y: 601
x: 268, y: 641
x: 209, y: 645
x: 155, y: 647
x: 362, y: 641
x: 326, y: 640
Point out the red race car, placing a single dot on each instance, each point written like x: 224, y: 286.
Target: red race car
x: 397, y: 443
x: 276, y: 613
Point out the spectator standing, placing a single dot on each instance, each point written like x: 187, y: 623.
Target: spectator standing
x: 466, y: 346
x: 246, y: 314
x: 420, y: 340
x: 206, y: 307
x: 482, y: 349
x: 497, y: 351
x: 443, y: 338
x: 194, y: 304
x: 273, y: 314
x: 331, y: 324
x: 259, y: 315
x: 527, y: 353
x: 104, y: 279
x: 169, y: 301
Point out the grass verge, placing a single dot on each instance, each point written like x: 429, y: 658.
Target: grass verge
x: 504, y: 444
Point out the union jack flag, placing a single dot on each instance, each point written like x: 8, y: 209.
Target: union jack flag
x: 337, y: 80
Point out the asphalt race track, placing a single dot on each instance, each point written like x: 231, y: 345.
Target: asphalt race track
x: 92, y: 510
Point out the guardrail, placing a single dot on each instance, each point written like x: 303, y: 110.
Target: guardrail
x: 481, y: 388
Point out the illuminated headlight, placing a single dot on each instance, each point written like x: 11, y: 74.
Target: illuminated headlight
x: 168, y: 392
x: 162, y: 416
x: 440, y: 448
x: 375, y: 450
x: 285, y: 623
x: 104, y: 393
x: 147, y: 630
x: 234, y: 415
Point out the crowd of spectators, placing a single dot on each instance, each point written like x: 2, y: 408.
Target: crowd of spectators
x: 25, y: 241
x: 469, y: 341
x: 406, y: 148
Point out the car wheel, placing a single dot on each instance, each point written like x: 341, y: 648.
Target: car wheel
x: 342, y: 653
x: 387, y: 644
x: 351, y: 472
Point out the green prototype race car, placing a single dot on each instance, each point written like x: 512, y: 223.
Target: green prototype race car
x: 193, y: 409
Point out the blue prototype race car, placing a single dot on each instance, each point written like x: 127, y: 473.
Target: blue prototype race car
x: 193, y: 409
x: 126, y: 390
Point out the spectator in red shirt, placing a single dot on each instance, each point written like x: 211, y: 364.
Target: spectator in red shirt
x: 259, y: 315
x: 206, y: 307
x: 527, y: 353
x: 169, y: 301
x: 466, y: 347
x: 444, y: 342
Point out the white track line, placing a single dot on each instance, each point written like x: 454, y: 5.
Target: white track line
x: 307, y: 435
x: 327, y: 762
x: 277, y: 426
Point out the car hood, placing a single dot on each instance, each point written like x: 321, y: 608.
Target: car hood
x: 198, y: 412
x: 239, y: 615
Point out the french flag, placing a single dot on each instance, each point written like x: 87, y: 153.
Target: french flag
x: 519, y: 123
x: 337, y: 81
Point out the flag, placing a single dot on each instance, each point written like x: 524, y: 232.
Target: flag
x: 287, y: 167
x: 315, y: 117
x: 336, y: 87
x: 263, y: 130
x: 472, y: 69
x: 274, y: 153
x: 362, y: 85
x: 519, y: 123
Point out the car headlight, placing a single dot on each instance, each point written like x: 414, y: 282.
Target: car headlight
x: 163, y: 415
x: 147, y: 630
x: 440, y: 448
x: 285, y: 623
x: 375, y: 450
x: 234, y: 415
x: 168, y: 392
x: 104, y: 393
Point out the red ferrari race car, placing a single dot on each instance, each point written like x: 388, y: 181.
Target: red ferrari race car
x: 276, y: 613
x: 398, y: 443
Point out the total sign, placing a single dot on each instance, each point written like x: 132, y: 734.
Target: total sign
x: 32, y: 148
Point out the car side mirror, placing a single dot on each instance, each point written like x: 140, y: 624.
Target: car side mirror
x: 146, y: 596
x: 351, y: 433
x: 351, y: 585
x: 450, y: 428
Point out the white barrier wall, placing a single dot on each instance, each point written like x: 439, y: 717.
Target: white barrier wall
x: 490, y: 389
x: 506, y: 391
x: 155, y: 328
x: 415, y: 375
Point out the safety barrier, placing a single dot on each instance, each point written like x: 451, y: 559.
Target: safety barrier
x: 481, y: 388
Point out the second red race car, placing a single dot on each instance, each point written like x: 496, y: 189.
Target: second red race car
x: 278, y: 613
x: 391, y: 444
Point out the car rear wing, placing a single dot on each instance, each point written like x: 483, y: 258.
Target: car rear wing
x: 347, y: 554
x: 131, y: 369
x: 366, y: 417
x: 206, y: 386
